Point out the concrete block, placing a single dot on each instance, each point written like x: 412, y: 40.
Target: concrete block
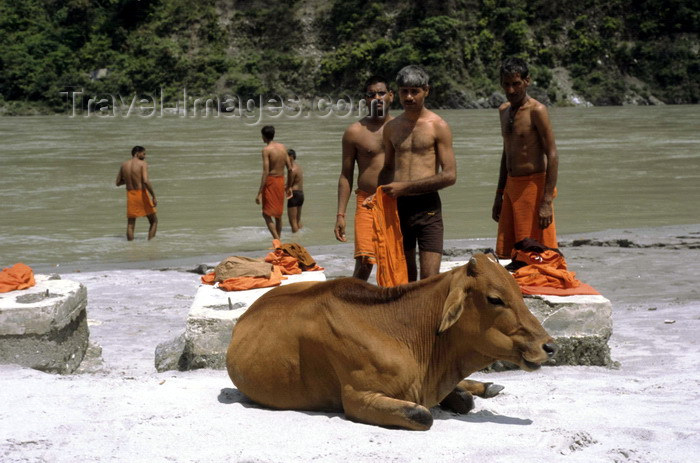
x: 212, y: 316
x: 45, y: 327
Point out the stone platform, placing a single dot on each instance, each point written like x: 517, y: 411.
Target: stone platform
x: 209, y: 324
x: 45, y: 327
x: 580, y: 325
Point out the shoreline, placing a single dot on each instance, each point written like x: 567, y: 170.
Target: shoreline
x: 643, y: 237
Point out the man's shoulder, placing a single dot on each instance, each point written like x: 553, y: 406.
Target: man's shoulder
x: 504, y: 106
x: 353, y: 128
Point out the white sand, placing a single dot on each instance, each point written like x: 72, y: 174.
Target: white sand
x: 646, y: 411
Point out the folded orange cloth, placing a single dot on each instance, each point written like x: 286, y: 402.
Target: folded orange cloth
x: 519, y: 214
x: 273, y: 196
x: 246, y: 283
x: 364, y: 228
x: 388, y: 241
x: 19, y: 276
x: 546, y: 274
x: 138, y: 204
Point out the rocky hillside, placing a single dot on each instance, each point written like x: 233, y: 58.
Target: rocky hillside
x: 600, y: 52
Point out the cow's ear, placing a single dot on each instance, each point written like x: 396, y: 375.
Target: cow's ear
x: 472, y: 265
x: 454, y: 303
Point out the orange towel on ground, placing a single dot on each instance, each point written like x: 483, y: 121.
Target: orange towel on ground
x: 388, y: 249
x: 138, y: 204
x: 19, y: 276
x: 273, y: 196
x: 519, y: 218
x: 546, y: 274
x: 364, y: 229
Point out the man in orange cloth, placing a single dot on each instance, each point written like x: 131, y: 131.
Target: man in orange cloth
x: 272, y: 189
x: 363, y: 144
x: 134, y: 174
x: 418, y: 161
x: 529, y: 164
x: 19, y: 276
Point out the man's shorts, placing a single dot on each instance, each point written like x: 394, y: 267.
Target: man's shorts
x: 421, y: 222
x: 296, y: 200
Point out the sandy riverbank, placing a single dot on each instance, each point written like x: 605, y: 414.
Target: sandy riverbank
x: 645, y: 411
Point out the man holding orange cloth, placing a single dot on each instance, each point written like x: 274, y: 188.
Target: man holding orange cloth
x: 272, y: 190
x: 529, y: 164
x: 134, y: 174
x: 363, y: 145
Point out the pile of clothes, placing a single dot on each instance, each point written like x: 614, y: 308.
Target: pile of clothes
x: 19, y: 276
x: 539, y: 269
x: 238, y: 273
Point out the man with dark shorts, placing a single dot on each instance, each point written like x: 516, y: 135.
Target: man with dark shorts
x: 419, y: 160
x: 297, y: 200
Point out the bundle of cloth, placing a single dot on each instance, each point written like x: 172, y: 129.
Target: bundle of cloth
x: 238, y: 273
x: 19, y: 276
x: 541, y: 270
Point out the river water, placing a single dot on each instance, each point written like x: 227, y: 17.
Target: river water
x: 620, y: 167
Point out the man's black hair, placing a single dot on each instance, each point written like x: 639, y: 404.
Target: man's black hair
x: 512, y: 66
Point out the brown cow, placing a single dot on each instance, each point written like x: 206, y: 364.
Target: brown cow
x: 384, y: 355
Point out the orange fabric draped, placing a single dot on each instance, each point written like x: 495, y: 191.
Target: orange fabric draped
x: 289, y: 265
x: 546, y: 273
x: 388, y: 241
x: 364, y: 228
x: 282, y: 264
x: 19, y: 276
x: 138, y: 204
x: 245, y: 283
x: 519, y: 218
x: 273, y: 196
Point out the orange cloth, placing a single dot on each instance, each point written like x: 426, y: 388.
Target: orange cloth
x: 245, y: 283
x: 546, y: 274
x: 289, y: 265
x: 273, y: 196
x: 282, y: 264
x: 519, y: 218
x: 19, y: 276
x: 364, y: 229
x: 138, y: 204
x: 388, y: 241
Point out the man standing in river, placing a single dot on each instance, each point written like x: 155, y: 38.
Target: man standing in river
x: 272, y: 190
x: 363, y: 144
x: 527, y: 180
x: 134, y: 174
x: 419, y: 160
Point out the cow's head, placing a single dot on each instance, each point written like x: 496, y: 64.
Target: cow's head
x: 485, y: 305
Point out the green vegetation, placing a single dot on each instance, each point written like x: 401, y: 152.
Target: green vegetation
x: 612, y: 51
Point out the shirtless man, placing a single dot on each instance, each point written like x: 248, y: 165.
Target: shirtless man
x: 272, y: 190
x: 134, y: 174
x: 419, y: 161
x: 529, y: 164
x: 297, y: 200
x: 363, y: 144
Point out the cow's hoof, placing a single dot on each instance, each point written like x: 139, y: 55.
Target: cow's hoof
x: 420, y: 417
x: 492, y: 390
x: 458, y: 401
